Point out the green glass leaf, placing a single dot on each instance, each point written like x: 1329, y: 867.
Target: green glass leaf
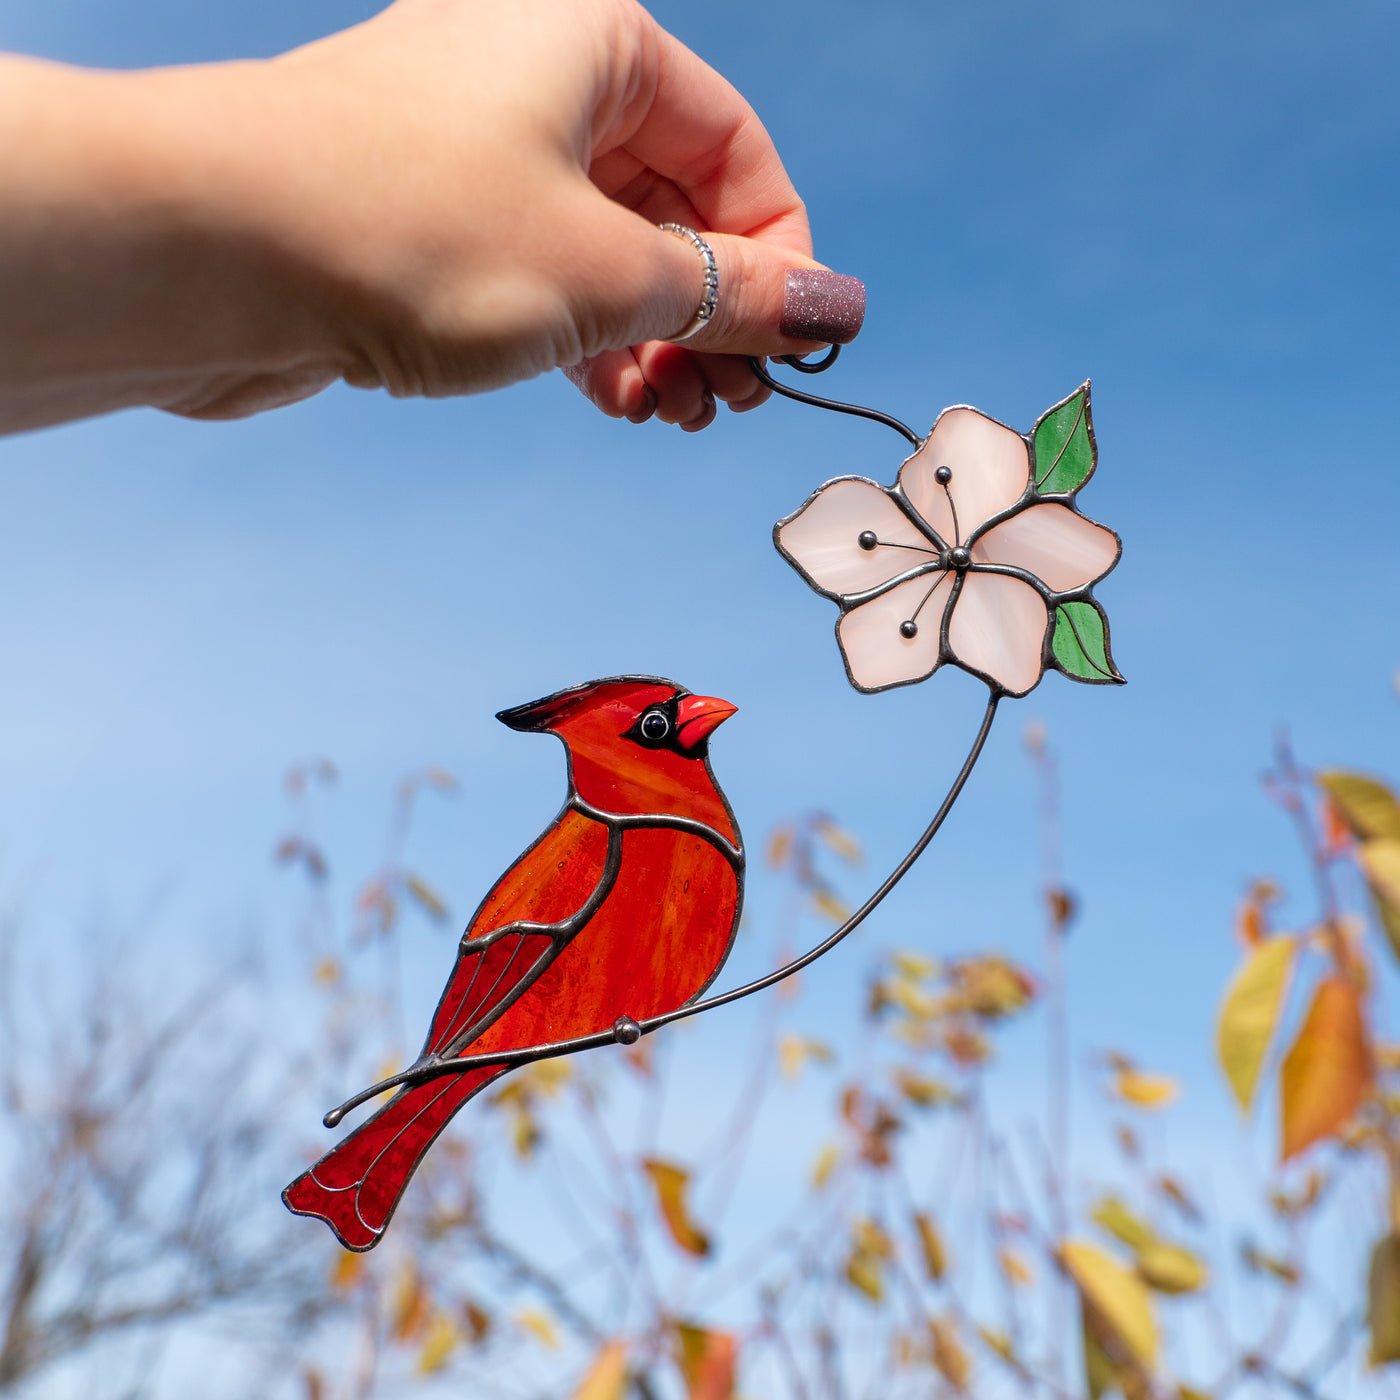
x: 1065, y: 451
x: 1080, y: 644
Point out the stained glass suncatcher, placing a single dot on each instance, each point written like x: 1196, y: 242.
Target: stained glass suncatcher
x: 618, y: 917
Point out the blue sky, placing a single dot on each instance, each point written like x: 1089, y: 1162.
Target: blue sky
x: 1193, y: 204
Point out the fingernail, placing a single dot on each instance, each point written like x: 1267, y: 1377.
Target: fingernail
x: 647, y: 408
x: 822, y: 305
x: 705, y: 417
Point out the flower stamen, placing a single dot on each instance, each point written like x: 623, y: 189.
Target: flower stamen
x: 909, y: 628
x: 869, y: 540
x: 943, y: 476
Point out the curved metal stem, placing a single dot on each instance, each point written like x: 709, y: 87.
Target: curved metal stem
x: 859, y: 917
x: 626, y: 1030
x: 815, y: 367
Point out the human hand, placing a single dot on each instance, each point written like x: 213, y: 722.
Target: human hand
x: 453, y: 196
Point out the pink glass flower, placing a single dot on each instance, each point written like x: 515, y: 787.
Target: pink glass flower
x: 973, y: 557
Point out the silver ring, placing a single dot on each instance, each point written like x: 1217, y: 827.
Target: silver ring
x: 710, y: 299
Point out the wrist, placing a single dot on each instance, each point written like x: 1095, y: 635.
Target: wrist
x: 144, y: 253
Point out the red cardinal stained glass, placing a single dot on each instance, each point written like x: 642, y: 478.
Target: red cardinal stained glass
x: 626, y: 906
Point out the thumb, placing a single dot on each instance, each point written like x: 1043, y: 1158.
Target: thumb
x: 647, y: 284
x: 771, y: 301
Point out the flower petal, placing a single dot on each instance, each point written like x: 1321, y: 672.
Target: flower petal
x: 1058, y: 546
x: 990, y: 465
x: 822, y: 538
x: 877, y: 655
x: 998, y: 629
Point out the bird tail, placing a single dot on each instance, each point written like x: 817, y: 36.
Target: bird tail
x: 356, y: 1186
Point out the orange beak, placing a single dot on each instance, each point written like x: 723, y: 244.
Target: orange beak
x: 698, y: 716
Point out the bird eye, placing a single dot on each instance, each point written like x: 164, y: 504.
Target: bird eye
x: 655, y: 726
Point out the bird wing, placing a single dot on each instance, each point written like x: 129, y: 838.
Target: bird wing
x: 529, y: 916
x: 656, y: 942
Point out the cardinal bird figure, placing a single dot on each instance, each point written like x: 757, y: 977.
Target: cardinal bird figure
x: 625, y: 908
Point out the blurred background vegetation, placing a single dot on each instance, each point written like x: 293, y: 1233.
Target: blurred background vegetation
x: 619, y: 1225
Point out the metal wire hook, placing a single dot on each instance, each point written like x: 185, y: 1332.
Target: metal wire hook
x: 805, y: 366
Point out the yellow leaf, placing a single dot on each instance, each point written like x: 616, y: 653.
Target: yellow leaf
x: 992, y: 987
x: 1015, y: 1267
x: 779, y: 846
x: 1383, y: 1301
x: 863, y: 1272
x: 692, y: 1342
x: 671, y: 1183
x: 1119, y: 1297
x: 1100, y: 1374
x: 547, y: 1077
x: 327, y: 972
x: 607, y: 1377
x: 1170, y: 1268
x: 912, y: 964
x: 525, y: 1131
x: 439, y: 1344
x: 347, y: 1270
x: 931, y: 1246
x: 1327, y: 1072
x: 1000, y: 1343
x: 708, y: 1361
x: 408, y: 1309
x: 1367, y: 806
x: 921, y: 1090
x: 520, y: 1095
x: 870, y: 1238
x: 1145, y: 1090
x: 909, y: 996
x: 949, y: 1355
x: 1121, y: 1223
x: 428, y: 897
x: 828, y: 904
x: 1250, y: 1013
x: 540, y: 1325
x: 840, y: 841
x: 825, y: 1164
x: 871, y: 1248
x: 1380, y: 862
x: 1262, y: 1263
x: 794, y: 1051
